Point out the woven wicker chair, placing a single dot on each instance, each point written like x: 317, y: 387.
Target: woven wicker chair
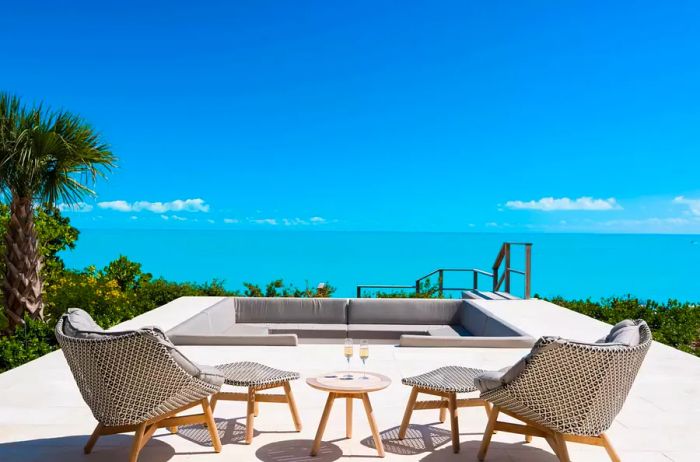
x: 567, y: 391
x: 132, y: 382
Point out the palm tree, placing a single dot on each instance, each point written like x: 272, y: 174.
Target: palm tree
x: 45, y: 157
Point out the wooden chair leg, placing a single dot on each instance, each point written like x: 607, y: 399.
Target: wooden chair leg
x: 528, y: 438
x: 250, y: 416
x: 348, y: 417
x: 609, y: 448
x: 561, y: 445
x: 443, y: 412
x: 488, y: 433
x: 172, y: 429
x: 554, y: 445
x: 93, y: 438
x: 212, y: 402
x: 407, y: 414
x: 137, y: 443
x: 454, y: 421
x: 256, y: 410
x: 148, y: 434
x: 487, y: 409
x: 211, y: 425
x: 292, y: 406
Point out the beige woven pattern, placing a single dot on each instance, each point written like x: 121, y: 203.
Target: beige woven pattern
x: 454, y: 379
x: 129, y: 379
x: 250, y: 374
x: 571, y: 387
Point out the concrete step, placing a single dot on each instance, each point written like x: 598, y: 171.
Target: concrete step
x: 486, y: 295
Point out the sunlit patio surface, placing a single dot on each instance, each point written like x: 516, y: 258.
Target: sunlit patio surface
x: 43, y: 418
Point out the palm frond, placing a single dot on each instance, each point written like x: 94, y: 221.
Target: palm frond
x: 49, y: 156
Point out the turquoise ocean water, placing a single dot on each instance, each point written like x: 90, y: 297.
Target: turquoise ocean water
x: 572, y: 265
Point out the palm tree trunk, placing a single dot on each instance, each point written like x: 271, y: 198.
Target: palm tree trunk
x: 23, y: 285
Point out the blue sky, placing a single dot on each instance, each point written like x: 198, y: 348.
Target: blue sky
x: 426, y: 116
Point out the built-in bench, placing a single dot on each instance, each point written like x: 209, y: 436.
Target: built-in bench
x: 411, y: 322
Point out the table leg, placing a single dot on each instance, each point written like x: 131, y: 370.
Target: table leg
x: 373, y: 424
x: 348, y: 417
x: 322, y: 425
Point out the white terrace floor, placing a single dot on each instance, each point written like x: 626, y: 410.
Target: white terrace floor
x: 43, y: 418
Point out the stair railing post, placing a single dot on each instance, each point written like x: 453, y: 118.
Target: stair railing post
x: 417, y: 286
x: 496, y: 267
x: 359, y: 292
x: 440, y: 282
x: 528, y: 270
x: 476, y: 280
x: 507, y: 288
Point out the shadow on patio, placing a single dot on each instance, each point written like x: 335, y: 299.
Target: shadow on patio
x: 428, y: 438
x: 230, y: 432
x: 113, y: 448
x: 419, y: 438
x: 298, y: 451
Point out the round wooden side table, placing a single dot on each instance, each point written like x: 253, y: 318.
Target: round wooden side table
x: 349, y: 385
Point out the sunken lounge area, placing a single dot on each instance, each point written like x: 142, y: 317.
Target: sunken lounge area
x: 43, y: 415
x: 418, y: 322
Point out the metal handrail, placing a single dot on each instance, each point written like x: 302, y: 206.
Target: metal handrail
x: 503, y: 255
x: 379, y: 286
x: 441, y: 288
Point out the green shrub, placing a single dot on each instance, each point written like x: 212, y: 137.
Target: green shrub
x: 427, y: 290
x: 278, y: 288
x: 673, y: 323
x: 28, y: 342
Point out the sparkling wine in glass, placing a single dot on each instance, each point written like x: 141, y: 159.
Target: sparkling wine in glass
x: 348, y: 352
x: 364, y: 354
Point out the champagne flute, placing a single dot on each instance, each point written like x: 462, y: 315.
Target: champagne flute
x: 348, y: 352
x: 364, y: 354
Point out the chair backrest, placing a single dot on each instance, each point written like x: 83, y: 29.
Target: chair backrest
x: 572, y: 387
x: 128, y: 377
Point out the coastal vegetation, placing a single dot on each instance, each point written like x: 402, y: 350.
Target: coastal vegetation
x: 672, y: 322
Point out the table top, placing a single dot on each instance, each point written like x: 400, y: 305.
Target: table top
x: 349, y: 382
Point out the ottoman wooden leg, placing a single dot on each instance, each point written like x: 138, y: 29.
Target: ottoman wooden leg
x: 292, y: 406
x: 443, y: 413
x: 454, y: 421
x: 407, y: 414
x: 250, y: 416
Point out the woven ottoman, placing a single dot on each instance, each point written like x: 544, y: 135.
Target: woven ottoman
x: 444, y: 383
x: 257, y: 377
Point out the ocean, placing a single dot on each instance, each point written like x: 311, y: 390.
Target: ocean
x: 571, y: 265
